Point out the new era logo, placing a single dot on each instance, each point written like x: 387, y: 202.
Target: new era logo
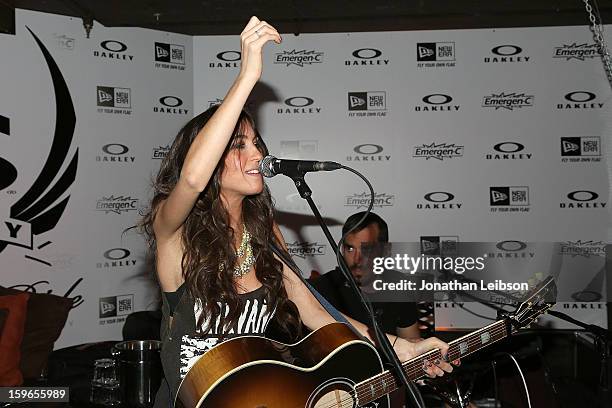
x: 442, y: 51
x: 505, y: 196
x: 439, y: 245
x: 108, y: 307
x: 161, y: 52
x: 171, y: 53
x: 104, y: 96
x: 426, y: 52
x: 113, y: 97
x: 357, y: 101
x: 581, y: 146
x: 113, y: 306
x: 367, y: 101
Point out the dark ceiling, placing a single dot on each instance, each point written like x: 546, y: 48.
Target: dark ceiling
x: 212, y: 17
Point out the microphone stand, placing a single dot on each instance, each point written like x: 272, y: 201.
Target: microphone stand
x: 383, y: 342
x: 603, y: 340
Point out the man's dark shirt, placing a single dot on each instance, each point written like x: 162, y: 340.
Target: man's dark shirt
x: 390, y: 315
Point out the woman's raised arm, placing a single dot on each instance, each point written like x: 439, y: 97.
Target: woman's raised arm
x: 209, y: 144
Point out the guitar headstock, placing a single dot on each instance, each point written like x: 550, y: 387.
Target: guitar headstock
x: 536, y: 303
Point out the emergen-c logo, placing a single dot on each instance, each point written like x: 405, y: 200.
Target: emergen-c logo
x: 507, y: 100
x: 576, y: 51
x: 299, y: 58
x: 160, y: 152
x: 117, y: 205
x: 583, y: 248
x: 438, y: 151
x: 304, y: 249
x: 363, y: 200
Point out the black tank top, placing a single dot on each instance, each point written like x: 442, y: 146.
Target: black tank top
x: 183, y: 343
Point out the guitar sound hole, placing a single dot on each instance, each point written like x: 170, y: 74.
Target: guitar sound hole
x: 335, y: 399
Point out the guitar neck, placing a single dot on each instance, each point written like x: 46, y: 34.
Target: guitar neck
x: 385, y: 382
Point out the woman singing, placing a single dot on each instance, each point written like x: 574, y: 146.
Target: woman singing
x: 210, y: 226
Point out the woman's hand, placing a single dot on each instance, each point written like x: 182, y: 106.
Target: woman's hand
x: 252, y: 39
x: 407, y: 350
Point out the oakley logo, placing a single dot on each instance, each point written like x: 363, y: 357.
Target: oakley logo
x: 582, y: 195
x: 511, y: 246
x: 229, y: 56
x: 115, y: 149
x: 446, y: 197
x: 509, y: 147
x: 116, y: 254
x: 299, y: 101
x: 580, y: 96
x: 367, y: 53
x: 437, y: 99
x: 506, y: 50
x: 368, y: 148
x: 113, y: 46
x: 171, y: 101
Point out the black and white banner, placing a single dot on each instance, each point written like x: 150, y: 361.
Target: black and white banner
x: 478, y: 135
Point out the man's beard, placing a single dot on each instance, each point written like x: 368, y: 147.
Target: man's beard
x: 362, y: 277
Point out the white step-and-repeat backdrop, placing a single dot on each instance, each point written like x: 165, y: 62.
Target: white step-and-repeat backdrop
x: 472, y: 116
x: 85, y: 123
x: 495, y: 136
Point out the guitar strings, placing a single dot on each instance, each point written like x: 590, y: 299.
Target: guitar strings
x: 354, y: 393
x: 416, y: 363
x: 415, y: 367
x: 364, y: 389
x: 412, y: 369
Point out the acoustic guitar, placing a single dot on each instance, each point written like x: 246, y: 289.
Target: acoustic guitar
x: 331, y: 368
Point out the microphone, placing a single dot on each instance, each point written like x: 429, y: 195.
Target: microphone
x: 270, y: 166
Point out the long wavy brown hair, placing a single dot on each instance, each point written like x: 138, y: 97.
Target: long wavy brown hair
x: 208, y: 239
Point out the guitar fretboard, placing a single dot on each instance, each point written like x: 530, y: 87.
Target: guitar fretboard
x: 384, y: 383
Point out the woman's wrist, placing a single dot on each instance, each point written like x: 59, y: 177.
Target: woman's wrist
x: 247, y: 79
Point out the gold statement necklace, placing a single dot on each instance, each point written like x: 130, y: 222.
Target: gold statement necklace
x: 245, y: 250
